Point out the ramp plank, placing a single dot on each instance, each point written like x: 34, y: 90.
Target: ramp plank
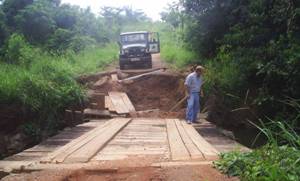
x: 60, y: 154
x: 118, y: 103
x: 114, y: 77
x: 192, y: 148
x: 90, y: 149
x: 178, y: 149
x: 206, y: 148
x: 101, y: 81
x: 109, y: 105
x: 127, y: 102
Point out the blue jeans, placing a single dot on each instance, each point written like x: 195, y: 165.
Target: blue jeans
x: 193, y: 107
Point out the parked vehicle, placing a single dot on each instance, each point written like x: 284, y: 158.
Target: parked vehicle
x: 136, y: 48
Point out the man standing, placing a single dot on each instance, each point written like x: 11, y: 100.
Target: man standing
x: 193, y: 85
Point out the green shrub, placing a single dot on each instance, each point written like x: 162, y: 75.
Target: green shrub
x: 45, y: 87
x: 18, y: 51
x: 269, y: 163
x: 279, y: 160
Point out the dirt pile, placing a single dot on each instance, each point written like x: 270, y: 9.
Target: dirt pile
x: 152, y: 95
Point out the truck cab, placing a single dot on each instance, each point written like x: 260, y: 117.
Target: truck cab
x: 136, y: 48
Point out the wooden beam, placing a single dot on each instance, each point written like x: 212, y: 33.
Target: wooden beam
x: 127, y: 102
x: 191, y: 147
x: 139, y: 71
x: 178, y: 104
x: 109, y: 105
x: 177, y: 147
x: 206, y: 148
x: 60, y: 154
x: 140, y: 76
x: 186, y: 163
x: 101, y: 81
x: 114, y: 77
x: 84, y: 154
x: 97, y: 113
x: 118, y: 103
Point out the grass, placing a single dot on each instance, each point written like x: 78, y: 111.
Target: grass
x: 174, y: 51
x: 269, y: 163
x: 279, y: 160
x: 177, y: 55
x: 44, y: 86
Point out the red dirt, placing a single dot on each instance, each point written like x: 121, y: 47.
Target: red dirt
x: 182, y: 173
x: 157, y: 91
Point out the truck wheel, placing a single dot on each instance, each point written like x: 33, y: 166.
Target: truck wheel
x: 122, y: 66
x: 149, y: 65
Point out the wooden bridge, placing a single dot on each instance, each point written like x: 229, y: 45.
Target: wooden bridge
x: 158, y: 141
x: 124, y: 140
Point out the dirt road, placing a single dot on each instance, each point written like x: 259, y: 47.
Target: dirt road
x: 140, y: 150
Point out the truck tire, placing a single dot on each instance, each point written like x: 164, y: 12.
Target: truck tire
x: 122, y: 66
x: 149, y: 65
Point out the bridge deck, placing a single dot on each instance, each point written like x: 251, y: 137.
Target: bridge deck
x: 157, y: 140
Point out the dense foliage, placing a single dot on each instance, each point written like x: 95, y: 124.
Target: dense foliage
x: 249, y: 47
x: 278, y: 160
x: 251, y: 52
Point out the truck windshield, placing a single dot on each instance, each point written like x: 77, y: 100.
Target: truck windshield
x: 133, y: 38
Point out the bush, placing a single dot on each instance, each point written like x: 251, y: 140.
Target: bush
x: 270, y: 163
x: 45, y: 87
x: 278, y: 160
x: 18, y: 51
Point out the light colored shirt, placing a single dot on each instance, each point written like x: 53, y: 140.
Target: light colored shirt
x: 193, y: 82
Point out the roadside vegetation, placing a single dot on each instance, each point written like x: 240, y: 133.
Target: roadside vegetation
x: 251, y: 53
x: 44, y: 46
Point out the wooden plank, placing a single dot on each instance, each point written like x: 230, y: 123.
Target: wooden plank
x: 174, y: 164
x: 206, y: 148
x: 141, y: 75
x: 82, y: 144
x: 96, y: 112
x: 9, y: 166
x: 101, y: 81
x: 135, y: 71
x: 118, y: 103
x: 191, y: 147
x: 177, y: 147
x: 60, y: 154
x: 114, y: 77
x: 127, y: 102
x: 107, y: 102
x: 85, y: 153
x: 109, y: 105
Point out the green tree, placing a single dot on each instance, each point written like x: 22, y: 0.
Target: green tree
x: 260, y: 38
x: 3, y: 27
x: 36, y: 22
x: 11, y: 9
x: 173, y: 15
x: 66, y: 16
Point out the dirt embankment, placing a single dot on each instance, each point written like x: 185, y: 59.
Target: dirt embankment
x: 152, y: 95
x: 12, y: 136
